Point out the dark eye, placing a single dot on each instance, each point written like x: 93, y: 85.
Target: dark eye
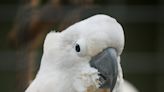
x: 77, y: 48
x: 80, y: 47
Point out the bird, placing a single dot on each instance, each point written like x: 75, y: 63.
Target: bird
x: 85, y: 57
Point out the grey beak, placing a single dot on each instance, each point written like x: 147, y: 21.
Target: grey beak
x: 106, y: 63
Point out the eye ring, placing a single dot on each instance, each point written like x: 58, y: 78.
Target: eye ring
x: 80, y: 47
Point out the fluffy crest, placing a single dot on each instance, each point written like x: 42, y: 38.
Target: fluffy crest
x: 99, y: 32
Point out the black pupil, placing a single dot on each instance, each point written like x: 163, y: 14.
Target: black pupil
x: 77, y: 48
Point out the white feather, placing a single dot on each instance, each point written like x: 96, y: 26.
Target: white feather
x: 62, y: 69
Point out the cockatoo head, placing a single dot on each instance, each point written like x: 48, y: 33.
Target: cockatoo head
x: 97, y: 41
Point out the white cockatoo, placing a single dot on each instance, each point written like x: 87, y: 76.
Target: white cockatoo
x: 85, y: 57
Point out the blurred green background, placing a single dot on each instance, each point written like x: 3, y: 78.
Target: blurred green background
x: 24, y: 24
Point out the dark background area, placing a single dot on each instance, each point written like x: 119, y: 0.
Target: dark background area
x: 142, y: 58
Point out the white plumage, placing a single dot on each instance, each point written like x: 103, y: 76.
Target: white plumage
x: 63, y: 69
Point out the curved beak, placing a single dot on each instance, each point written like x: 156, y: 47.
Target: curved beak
x: 106, y: 64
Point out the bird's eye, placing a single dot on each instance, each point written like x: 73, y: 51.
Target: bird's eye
x: 80, y: 47
x: 77, y: 48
